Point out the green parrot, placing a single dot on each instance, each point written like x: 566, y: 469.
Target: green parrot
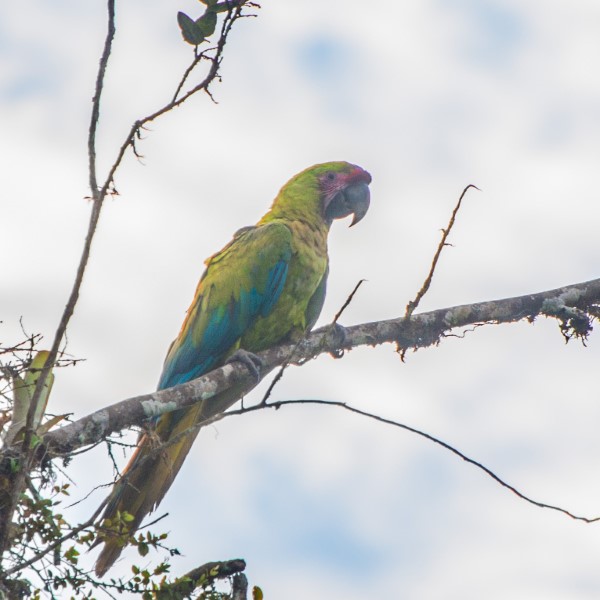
x: 267, y: 286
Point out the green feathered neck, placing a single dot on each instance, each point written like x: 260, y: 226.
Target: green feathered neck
x: 301, y: 197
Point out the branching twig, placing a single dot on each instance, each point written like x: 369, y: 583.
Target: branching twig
x: 212, y: 74
x: 18, y: 482
x: 278, y: 404
x: 422, y: 434
x: 187, y: 73
x: 412, y: 305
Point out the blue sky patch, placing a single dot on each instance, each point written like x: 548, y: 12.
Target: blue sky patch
x: 323, y: 58
x: 495, y: 33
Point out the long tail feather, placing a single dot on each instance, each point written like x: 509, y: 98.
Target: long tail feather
x: 145, y: 481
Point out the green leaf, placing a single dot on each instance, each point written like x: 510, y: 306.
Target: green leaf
x: 127, y: 517
x: 190, y: 31
x: 207, y: 23
x: 257, y: 593
x: 72, y: 555
x: 225, y: 6
x: 35, y: 441
x: 209, y: 2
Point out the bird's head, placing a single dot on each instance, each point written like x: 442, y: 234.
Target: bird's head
x: 344, y: 191
x: 327, y: 191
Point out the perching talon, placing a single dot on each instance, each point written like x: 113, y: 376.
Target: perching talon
x: 251, y: 361
x: 339, y: 334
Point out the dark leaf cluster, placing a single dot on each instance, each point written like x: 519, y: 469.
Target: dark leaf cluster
x: 196, y: 31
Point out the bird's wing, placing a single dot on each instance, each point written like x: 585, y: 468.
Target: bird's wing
x: 241, y: 282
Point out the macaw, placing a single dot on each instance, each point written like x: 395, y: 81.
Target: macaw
x: 265, y: 287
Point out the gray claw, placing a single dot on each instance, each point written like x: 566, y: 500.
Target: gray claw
x: 250, y: 360
x: 340, y: 335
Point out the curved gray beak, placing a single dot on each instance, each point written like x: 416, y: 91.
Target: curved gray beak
x: 352, y: 200
x: 358, y: 198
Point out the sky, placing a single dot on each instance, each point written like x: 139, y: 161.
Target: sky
x: 428, y: 96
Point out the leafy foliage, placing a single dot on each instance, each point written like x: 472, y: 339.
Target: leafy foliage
x: 196, y: 31
x: 51, y: 548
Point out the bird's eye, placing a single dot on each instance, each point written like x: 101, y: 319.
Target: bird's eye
x: 331, y: 176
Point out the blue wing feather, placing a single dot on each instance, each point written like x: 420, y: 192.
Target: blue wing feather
x: 191, y: 358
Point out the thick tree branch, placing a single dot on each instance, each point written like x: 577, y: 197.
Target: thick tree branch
x: 201, y: 577
x: 573, y: 306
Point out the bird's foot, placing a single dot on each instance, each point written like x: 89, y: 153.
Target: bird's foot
x: 339, y: 335
x: 251, y: 361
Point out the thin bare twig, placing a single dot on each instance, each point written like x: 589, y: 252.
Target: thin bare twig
x: 230, y: 18
x: 412, y: 305
x: 423, y: 434
x: 187, y: 73
x: 278, y: 404
x: 275, y: 381
x: 348, y: 300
